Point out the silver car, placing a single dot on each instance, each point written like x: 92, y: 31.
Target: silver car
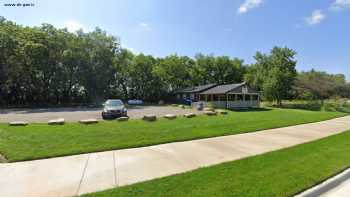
x: 113, y: 108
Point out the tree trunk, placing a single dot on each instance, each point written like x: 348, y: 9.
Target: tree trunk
x: 279, y: 103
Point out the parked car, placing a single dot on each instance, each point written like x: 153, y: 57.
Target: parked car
x: 187, y: 101
x: 135, y: 102
x: 114, y: 108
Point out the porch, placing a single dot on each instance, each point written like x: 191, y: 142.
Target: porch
x: 231, y: 100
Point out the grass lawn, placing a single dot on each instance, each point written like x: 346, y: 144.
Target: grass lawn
x: 275, y: 174
x: 37, y: 141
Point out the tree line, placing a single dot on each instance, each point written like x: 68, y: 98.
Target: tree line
x: 50, y: 66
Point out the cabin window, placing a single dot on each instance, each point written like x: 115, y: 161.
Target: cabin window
x: 245, y: 90
x: 231, y: 97
x: 222, y: 97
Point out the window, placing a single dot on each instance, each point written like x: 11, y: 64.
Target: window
x: 113, y: 103
x: 244, y: 89
x: 222, y: 97
x: 192, y: 96
x: 231, y: 97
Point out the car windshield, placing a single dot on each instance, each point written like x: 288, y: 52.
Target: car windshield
x: 112, y: 103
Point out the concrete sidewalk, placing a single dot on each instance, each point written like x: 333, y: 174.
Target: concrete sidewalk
x: 79, y: 174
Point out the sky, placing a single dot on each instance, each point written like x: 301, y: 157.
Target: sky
x: 318, y: 30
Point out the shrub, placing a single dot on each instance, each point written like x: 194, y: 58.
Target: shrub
x: 331, y: 105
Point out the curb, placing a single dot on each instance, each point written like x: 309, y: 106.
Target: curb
x: 327, y: 185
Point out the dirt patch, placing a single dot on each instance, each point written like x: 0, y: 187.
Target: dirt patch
x: 3, y: 159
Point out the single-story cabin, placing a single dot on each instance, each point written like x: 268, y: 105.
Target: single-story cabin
x: 231, y: 96
x: 192, y: 93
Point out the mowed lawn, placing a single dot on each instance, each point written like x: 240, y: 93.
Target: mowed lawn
x: 280, y: 173
x: 37, y: 141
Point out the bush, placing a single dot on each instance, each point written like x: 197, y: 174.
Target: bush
x: 345, y: 107
x: 297, y: 104
x: 316, y: 105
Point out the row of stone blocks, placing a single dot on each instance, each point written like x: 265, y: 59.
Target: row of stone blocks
x: 149, y: 117
x: 215, y: 112
x: 152, y: 117
x: 61, y: 121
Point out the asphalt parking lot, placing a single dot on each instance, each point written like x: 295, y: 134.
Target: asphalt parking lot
x: 75, y: 114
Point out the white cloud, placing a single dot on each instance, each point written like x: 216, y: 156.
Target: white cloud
x: 145, y: 26
x: 340, y: 4
x: 73, y: 26
x: 247, y: 5
x: 316, y: 17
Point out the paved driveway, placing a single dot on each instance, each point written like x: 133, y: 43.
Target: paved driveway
x: 76, y: 114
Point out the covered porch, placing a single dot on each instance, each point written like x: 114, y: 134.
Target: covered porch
x: 231, y: 100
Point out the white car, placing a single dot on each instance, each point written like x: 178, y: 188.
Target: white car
x: 135, y: 102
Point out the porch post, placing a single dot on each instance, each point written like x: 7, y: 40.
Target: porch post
x: 251, y: 100
x: 226, y: 101
x: 244, y: 103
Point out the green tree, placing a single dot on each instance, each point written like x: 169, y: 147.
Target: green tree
x: 175, y: 71
x: 274, y: 73
x: 317, y: 85
x: 219, y: 70
x: 145, y: 84
x: 123, y: 63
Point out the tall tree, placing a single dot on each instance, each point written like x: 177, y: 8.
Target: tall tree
x: 145, y: 84
x: 175, y: 71
x: 219, y: 70
x: 317, y: 85
x: 123, y: 63
x: 274, y: 73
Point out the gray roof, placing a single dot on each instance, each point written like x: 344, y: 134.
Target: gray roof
x: 195, y: 89
x: 223, y: 89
